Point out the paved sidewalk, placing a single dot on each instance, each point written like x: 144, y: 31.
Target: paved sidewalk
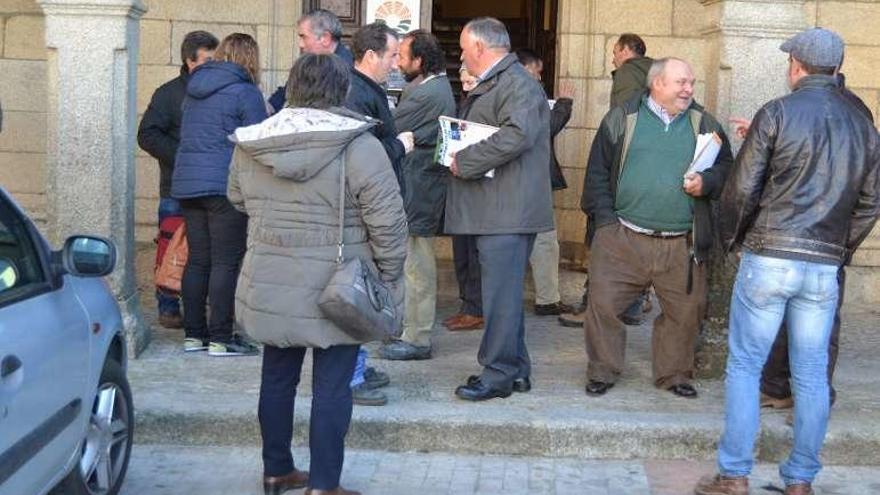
x: 173, y: 470
x: 195, y: 399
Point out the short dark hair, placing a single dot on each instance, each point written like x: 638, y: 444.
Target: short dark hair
x: 527, y: 56
x: 195, y: 40
x: 427, y: 47
x: 817, y: 69
x: 373, y: 36
x: 323, y: 21
x: 318, y: 81
x: 634, y: 42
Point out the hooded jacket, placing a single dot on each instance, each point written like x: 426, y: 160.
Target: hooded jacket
x: 285, y: 176
x: 220, y: 97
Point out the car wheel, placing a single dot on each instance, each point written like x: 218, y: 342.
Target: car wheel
x: 106, y: 449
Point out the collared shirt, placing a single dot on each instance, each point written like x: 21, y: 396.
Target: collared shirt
x: 661, y: 112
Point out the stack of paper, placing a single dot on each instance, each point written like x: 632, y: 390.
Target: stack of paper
x: 456, y: 135
x: 708, y: 146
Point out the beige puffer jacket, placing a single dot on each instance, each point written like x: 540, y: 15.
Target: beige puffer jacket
x: 285, y: 176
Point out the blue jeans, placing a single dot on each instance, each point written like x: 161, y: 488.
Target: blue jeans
x: 359, y: 368
x: 766, y: 291
x: 169, y: 304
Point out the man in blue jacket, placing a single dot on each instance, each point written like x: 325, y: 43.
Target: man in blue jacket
x: 159, y: 135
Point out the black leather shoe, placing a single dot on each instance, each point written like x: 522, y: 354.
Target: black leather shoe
x: 476, y: 390
x: 685, y: 390
x: 596, y: 388
x: 521, y: 385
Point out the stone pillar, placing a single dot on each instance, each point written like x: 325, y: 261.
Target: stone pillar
x: 744, y: 70
x: 92, y: 71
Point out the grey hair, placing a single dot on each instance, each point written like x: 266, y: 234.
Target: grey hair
x: 490, y: 31
x: 659, y: 67
x: 323, y: 21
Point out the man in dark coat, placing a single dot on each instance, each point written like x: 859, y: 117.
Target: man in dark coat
x: 159, y: 135
x: 505, y: 211
x: 375, y: 49
x: 427, y: 97
x: 318, y: 32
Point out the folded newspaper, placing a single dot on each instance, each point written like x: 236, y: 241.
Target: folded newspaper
x: 456, y: 135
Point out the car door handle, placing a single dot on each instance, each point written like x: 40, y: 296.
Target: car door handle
x: 9, y: 365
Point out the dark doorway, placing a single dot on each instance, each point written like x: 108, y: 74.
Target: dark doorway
x: 531, y: 23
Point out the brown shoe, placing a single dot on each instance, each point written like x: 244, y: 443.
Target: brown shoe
x: 276, y: 485
x: 722, y: 485
x: 466, y: 322
x: 338, y: 491
x: 774, y: 403
x: 799, y: 489
x: 452, y: 319
x: 171, y: 320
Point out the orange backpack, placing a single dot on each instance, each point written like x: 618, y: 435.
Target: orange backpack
x: 169, y: 272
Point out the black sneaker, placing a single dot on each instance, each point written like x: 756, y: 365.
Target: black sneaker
x: 374, y: 379
x: 235, y: 347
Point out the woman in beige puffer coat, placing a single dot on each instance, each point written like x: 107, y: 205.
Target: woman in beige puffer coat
x: 285, y: 176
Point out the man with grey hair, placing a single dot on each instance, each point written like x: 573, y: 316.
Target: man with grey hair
x: 504, y: 211
x: 318, y: 32
x: 649, y: 227
x: 804, y: 194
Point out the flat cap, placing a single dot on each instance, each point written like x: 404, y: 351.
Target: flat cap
x: 817, y: 47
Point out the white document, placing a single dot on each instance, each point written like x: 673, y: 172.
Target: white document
x: 456, y: 135
x: 705, y: 153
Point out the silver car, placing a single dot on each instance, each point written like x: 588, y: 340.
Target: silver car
x: 66, y: 412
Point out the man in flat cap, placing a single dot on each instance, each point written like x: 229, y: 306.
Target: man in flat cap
x: 805, y: 192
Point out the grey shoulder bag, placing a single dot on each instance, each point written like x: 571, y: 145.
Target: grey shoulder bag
x: 355, y: 298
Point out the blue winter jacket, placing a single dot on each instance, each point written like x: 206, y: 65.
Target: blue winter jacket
x: 220, y: 97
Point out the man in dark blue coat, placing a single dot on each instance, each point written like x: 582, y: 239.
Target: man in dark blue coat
x: 159, y: 135
x: 318, y: 32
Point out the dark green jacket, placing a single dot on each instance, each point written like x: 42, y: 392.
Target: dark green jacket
x: 425, y: 181
x: 518, y: 199
x: 630, y: 79
x: 608, y: 153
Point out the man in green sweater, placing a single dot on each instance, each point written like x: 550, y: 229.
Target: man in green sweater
x: 651, y: 225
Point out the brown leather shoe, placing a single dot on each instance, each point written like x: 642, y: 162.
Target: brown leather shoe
x: 722, y: 485
x: 466, y: 322
x: 774, y: 403
x: 452, y: 319
x: 338, y: 491
x: 276, y: 485
x: 799, y: 489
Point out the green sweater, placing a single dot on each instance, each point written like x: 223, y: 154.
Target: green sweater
x: 650, y: 193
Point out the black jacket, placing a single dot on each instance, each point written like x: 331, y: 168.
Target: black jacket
x: 607, y: 156
x: 368, y: 98
x: 806, y: 180
x: 559, y: 116
x: 159, y: 131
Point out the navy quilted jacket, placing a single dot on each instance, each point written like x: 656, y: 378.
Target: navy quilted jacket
x: 220, y: 97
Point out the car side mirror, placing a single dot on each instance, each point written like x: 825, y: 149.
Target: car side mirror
x: 8, y: 274
x: 88, y: 256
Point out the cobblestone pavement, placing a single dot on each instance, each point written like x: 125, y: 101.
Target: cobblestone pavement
x: 173, y: 470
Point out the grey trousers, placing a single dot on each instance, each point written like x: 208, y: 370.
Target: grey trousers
x: 503, y: 353
x: 545, y: 268
x: 420, y: 301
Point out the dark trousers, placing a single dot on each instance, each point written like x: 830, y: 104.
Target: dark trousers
x: 503, y: 353
x: 331, y: 410
x: 216, y: 233
x: 625, y: 263
x: 467, y: 271
x: 776, y: 376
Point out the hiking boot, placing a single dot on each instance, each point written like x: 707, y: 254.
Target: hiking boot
x: 235, y: 347
x: 363, y: 396
x: 722, y: 485
x: 553, y: 309
x: 374, y: 378
x: 401, y: 350
x: 799, y: 489
x: 170, y: 320
x: 193, y: 345
x: 774, y: 403
x: 572, y: 320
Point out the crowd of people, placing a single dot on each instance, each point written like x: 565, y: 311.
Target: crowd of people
x: 257, y: 183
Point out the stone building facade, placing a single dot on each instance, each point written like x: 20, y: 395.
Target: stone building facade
x: 730, y: 43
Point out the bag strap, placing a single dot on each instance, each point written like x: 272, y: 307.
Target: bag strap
x: 341, y: 242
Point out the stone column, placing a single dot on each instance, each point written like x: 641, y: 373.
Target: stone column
x: 92, y: 71
x: 744, y: 70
